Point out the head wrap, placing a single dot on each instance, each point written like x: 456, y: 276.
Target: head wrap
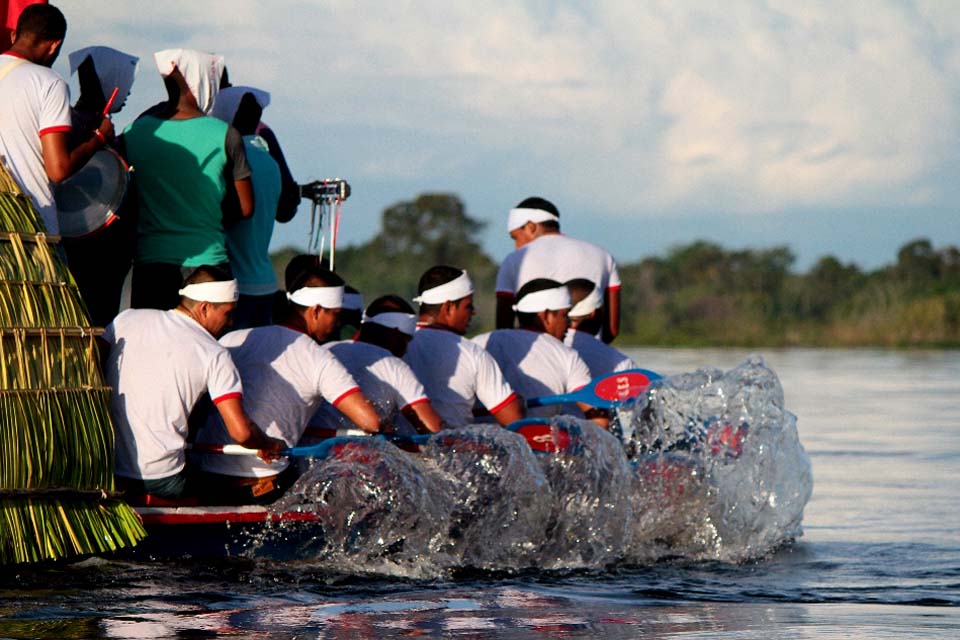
x: 216, y: 292
x: 459, y: 287
x: 521, y: 216
x: 326, y: 297
x: 115, y: 70
x: 591, y: 303
x: 202, y: 72
x: 403, y: 322
x: 228, y: 101
x: 544, y: 300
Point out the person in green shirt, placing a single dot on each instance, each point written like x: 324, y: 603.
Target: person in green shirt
x: 191, y: 176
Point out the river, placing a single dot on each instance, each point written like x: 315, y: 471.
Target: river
x: 879, y: 556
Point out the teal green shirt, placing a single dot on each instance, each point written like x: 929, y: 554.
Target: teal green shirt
x: 179, y: 169
x: 248, y: 241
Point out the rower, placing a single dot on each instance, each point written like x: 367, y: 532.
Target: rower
x: 533, y: 358
x: 373, y: 358
x: 542, y: 251
x: 287, y: 376
x: 158, y: 366
x: 586, y: 319
x: 455, y: 372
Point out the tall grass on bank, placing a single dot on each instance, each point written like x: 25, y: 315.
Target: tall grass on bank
x: 56, y: 439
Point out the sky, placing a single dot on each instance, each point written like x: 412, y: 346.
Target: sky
x: 829, y: 127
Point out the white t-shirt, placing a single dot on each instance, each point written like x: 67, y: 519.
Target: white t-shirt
x: 456, y: 373
x: 536, y: 364
x: 160, y: 363
x: 387, y: 381
x: 557, y: 257
x: 34, y: 100
x: 601, y: 358
x: 287, y: 375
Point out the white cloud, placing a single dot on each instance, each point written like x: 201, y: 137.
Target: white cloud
x: 742, y: 106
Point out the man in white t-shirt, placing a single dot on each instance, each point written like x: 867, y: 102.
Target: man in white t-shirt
x: 455, y: 372
x: 373, y: 358
x: 35, y: 112
x: 585, y: 319
x: 543, y: 252
x: 287, y: 374
x: 158, y: 366
x: 533, y: 358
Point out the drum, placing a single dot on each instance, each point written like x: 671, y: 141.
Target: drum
x: 88, y: 200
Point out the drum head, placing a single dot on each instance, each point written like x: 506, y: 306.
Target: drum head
x: 88, y: 200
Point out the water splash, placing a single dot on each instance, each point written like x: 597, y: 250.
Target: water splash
x: 707, y: 466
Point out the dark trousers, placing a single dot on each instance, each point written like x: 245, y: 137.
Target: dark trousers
x: 215, y: 488
x: 99, y: 264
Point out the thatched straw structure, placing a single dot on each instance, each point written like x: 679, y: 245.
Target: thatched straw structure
x: 56, y: 437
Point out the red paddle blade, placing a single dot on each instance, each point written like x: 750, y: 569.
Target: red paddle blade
x: 544, y: 438
x: 622, y: 387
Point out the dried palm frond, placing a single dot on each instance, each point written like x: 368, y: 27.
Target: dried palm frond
x: 56, y: 438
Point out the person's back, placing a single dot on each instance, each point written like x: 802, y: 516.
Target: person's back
x: 147, y: 399
x: 34, y: 103
x: 387, y: 381
x: 535, y: 364
x: 179, y: 167
x: 557, y: 257
x: 191, y: 173
x: 456, y: 373
x: 287, y: 376
x: 543, y: 252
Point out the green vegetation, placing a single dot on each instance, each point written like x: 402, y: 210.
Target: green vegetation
x: 698, y: 294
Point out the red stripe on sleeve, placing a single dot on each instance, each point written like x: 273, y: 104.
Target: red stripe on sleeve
x: 63, y: 128
x: 348, y: 392
x: 228, y: 396
x: 510, y: 398
x: 613, y: 287
x: 415, y: 403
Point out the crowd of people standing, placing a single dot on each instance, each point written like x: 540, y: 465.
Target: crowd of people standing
x: 209, y: 183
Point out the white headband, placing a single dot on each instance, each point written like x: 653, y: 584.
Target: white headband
x: 404, y: 322
x: 546, y: 300
x: 216, y: 292
x: 326, y: 297
x: 591, y: 303
x: 459, y: 287
x: 519, y: 217
x: 353, y: 301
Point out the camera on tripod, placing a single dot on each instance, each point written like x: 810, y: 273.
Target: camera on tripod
x: 320, y: 191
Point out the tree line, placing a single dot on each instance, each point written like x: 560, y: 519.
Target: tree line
x: 699, y: 294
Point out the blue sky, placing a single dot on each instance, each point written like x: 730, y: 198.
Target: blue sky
x: 829, y: 127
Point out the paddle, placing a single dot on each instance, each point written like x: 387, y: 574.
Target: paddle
x: 319, y: 450
x: 606, y: 391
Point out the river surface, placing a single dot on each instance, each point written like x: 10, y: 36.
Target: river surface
x: 879, y: 556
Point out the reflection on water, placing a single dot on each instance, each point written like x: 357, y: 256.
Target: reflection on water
x: 880, y: 556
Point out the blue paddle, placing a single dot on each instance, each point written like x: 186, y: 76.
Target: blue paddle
x: 606, y: 391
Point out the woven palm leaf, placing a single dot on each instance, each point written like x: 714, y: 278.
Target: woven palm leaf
x: 56, y: 438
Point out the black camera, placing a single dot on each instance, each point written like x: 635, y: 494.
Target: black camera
x: 325, y: 190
